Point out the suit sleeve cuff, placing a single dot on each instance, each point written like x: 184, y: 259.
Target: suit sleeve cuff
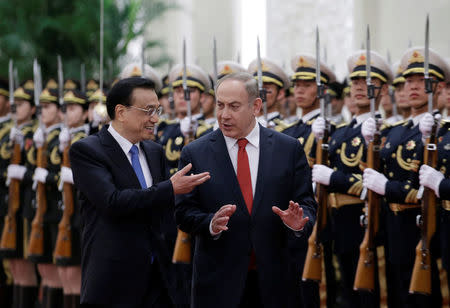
x: 297, y: 233
x: 215, y: 236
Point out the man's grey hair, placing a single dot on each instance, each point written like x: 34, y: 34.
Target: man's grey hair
x: 251, y: 86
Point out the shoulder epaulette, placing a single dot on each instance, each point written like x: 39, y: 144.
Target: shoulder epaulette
x: 342, y: 125
x: 283, y: 125
x: 202, y: 128
x: 399, y: 123
x: 445, y: 122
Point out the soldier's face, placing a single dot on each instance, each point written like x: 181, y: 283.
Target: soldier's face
x: 443, y: 97
x: 208, y: 104
x: 180, y: 103
x: 358, y: 91
x: 274, y: 94
x: 415, y: 90
x: 50, y: 114
x: 305, y: 93
x: 24, y: 110
x: 350, y: 103
x: 235, y: 113
x: 75, y: 115
x: 4, y: 105
x: 386, y: 102
x: 400, y: 96
x: 446, y: 93
x: 164, y: 101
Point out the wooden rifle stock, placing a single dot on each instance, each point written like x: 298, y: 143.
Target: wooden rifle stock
x: 182, y: 251
x: 312, y: 269
x: 9, y: 235
x: 63, y: 247
x: 421, y: 275
x: 367, y: 262
x: 36, y: 244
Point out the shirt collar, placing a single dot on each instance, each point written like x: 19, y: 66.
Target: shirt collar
x: 310, y: 115
x: 54, y: 126
x: 362, y: 117
x: 252, y: 137
x: 417, y: 118
x: 75, y: 130
x: 124, y: 143
x: 270, y: 116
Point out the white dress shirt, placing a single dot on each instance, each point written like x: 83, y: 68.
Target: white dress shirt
x: 252, y: 149
x: 361, y: 118
x: 417, y: 118
x: 126, y: 146
x: 305, y: 118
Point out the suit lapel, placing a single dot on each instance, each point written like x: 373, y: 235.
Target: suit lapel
x: 153, y: 164
x: 225, y: 167
x: 117, y: 155
x: 265, y: 162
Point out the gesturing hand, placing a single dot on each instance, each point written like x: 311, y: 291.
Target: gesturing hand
x: 183, y: 184
x: 221, y: 217
x: 292, y: 217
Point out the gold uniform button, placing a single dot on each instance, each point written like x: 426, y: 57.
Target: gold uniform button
x: 393, y: 155
x: 391, y: 174
x: 352, y: 155
x: 352, y: 180
x: 407, y: 186
x: 338, y: 151
x: 335, y: 168
x: 408, y: 160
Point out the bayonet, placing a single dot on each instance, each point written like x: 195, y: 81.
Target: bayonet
x: 320, y: 87
x: 83, y: 77
x: 214, y: 77
x: 238, y: 57
x: 171, y: 101
x: 11, y: 84
x: 262, y: 90
x: 16, y: 78
x: 143, y: 59
x: 187, y: 95
x: 101, y: 44
x: 60, y: 82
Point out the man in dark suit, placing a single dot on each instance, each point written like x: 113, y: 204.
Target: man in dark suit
x: 123, y: 195
x: 257, y: 177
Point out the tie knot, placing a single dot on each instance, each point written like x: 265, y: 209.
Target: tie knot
x: 242, y: 143
x: 134, y: 150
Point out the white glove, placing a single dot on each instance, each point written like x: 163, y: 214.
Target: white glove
x: 321, y: 174
x: 66, y: 177
x: 318, y: 128
x: 425, y: 125
x: 16, y: 172
x: 186, y: 127
x: 368, y: 129
x: 374, y: 181
x: 64, y: 139
x: 40, y: 175
x: 97, y: 118
x: 16, y: 136
x: 39, y: 138
x: 431, y: 178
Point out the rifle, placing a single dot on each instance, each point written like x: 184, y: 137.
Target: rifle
x: 262, y: 90
x: 171, y: 101
x: 182, y: 250
x: 367, y: 263
x: 8, y: 241
x: 36, y: 244
x: 313, y: 263
x: 421, y: 276
x: 63, y: 247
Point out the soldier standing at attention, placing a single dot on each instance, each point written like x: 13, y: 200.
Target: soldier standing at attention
x: 344, y: 176
x: 398, y: 180
x: 23, y: 271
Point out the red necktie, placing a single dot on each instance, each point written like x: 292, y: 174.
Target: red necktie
x: 243, y: 174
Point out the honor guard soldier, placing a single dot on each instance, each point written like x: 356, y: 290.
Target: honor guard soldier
x: 275, y: 81
x: 305, y: 95
x: 71, y: 84
x: 398, y: 181
x: 48, y: 200
x: 21, y: 170
x: 91, y: 86
x: 5, y: 126
x: 223, y: 68
x: 401, y: 99
x: 67, y: 250
x: 335, y: 95
x: 289, y: 110
x: 344, y: 176
x: 172, y: 134
x: 164, y: 99
x: 97, y: 115
x: 208, y: 102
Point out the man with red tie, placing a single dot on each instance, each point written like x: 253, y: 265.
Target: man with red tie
x: 259, y: 197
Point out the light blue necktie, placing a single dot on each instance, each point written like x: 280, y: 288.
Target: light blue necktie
x: 137, y: 165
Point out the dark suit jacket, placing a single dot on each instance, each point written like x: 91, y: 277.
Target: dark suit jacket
x: 220, y: 266
x: 120, y: 221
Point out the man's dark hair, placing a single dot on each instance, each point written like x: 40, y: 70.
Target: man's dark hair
x: 122, y: 91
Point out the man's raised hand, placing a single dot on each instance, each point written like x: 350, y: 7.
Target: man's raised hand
x: 221, y: 217
x: 183, y: 184
x: 292, y: 217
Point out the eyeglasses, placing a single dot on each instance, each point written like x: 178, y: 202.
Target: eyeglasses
x: 151, y: 111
